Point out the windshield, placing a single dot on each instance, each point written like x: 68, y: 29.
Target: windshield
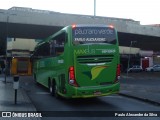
x: 93, y: 35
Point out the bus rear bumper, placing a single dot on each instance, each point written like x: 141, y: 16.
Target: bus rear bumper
x: 93, y: 91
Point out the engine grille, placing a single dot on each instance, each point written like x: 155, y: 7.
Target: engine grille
x: 95, y: 59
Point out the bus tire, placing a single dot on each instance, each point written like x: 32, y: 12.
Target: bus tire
x: 56, y: 91
x: 50, y: 85
x: 53, y: 88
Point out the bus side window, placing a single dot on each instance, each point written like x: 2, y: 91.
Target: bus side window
x: 57, y: 45
x: 52, y: 48
x: 43, y: 51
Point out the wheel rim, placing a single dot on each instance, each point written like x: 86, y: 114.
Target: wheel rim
x: 50, y: 88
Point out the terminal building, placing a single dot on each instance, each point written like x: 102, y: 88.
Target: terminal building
x: 21, y: 47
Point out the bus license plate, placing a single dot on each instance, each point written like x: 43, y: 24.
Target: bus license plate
x: 97, y: 93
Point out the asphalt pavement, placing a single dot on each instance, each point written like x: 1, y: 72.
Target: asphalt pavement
x: 142, y: 86
x: 136, y: 86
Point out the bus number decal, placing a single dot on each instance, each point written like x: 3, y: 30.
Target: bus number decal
x: 107, y: 50
x: 60, y: 61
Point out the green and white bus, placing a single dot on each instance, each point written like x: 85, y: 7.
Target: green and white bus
x: 79, y: 61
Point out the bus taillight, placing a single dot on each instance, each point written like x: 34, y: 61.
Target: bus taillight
x: 73, y: 26
x: 111, y: 26
x: 72, y: 80
x: 118, y: 72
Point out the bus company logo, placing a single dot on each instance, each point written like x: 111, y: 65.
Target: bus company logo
x: 95, y: 72
x: 93, y: 31
x: 84, y: 51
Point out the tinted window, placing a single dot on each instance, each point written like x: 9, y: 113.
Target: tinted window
x: 86, y: 35
x: 43, y: 50
x: 57, y: 44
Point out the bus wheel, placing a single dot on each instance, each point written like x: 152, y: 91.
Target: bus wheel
x: 53, y: 89
x: 56, y: 91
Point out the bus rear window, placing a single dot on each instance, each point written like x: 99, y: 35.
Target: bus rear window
x: 93, y: 35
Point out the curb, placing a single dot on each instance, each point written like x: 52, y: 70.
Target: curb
x: 141, y: 99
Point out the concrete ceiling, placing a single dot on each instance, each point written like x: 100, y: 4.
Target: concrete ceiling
x: 40, y: 32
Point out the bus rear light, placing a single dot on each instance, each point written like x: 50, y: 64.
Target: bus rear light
x: 111, y: 26
x: 73, y: 26
x: 118, y: 72
x: 72, y: 80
